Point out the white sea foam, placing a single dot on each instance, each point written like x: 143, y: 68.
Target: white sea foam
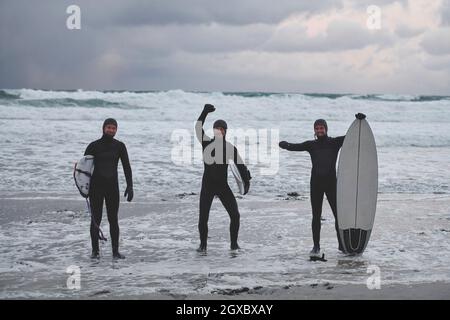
x: 42, y: 139
x: 408, y: 245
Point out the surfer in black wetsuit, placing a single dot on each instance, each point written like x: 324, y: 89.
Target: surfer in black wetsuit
x: 105, y: 185
x: 216, y: 155
x: 323, y: 151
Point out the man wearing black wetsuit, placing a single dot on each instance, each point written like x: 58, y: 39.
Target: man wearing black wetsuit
x: 323, y: 151
x: 105, y: 185
x: 217, y: 153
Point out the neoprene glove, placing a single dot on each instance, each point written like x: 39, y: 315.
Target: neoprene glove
x: 283, y: 144
x: 247, y: 183
x: 209, y: 108
x: 129, y: 194
x: 360, y: 116
x: 246, y: 187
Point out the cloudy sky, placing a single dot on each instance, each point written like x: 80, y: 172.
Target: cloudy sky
x: 233, y: 45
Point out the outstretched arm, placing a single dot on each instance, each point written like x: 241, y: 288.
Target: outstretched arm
x: 199, y: 132
x: 304, y: 146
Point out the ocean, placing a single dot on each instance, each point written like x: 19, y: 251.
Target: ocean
x: 44, y: 227
x: 45, y: 132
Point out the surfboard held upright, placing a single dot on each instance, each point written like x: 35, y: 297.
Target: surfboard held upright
x: 357, y: 187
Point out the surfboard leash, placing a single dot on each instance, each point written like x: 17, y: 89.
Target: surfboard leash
x: 100, y: 233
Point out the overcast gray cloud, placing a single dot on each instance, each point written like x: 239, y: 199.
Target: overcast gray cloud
x: 234, y: 12
x: 437, y: 42
x: 405, y: 31
x: 218, y: 45
x: 446, y: 13
x: 340, y: 35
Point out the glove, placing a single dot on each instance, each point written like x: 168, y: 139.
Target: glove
x: 283, y: 144
x: 209, y: 108
x: 129, y: 194
x: 246, y: 187
x: 247, y: 182
x: 360, y: 116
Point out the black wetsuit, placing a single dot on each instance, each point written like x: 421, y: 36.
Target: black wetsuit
x: 323, y: 152
x: 216, y: 156
x: 105, y: 186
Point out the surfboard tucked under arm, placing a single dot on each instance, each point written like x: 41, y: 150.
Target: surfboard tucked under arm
x: 238, y: 176
x: 82, y: 174
x: 357, y: 187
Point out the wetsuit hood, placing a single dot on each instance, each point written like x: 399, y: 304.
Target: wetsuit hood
x: 109, y: 121
x: 321, y: 122
x: 105, y: 123
x: 220, y: 124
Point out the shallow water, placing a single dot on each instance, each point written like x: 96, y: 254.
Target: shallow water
x: 409, y: 244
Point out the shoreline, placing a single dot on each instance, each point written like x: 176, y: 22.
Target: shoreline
x: 325, y: 291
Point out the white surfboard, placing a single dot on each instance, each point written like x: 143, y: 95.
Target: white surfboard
x: 82, y: 174
x: 357, y: 187
x: 237, y: 177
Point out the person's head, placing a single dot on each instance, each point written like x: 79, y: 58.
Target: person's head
x: 320, y: 128
x: 220, y: 128
x: 110, y: 127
